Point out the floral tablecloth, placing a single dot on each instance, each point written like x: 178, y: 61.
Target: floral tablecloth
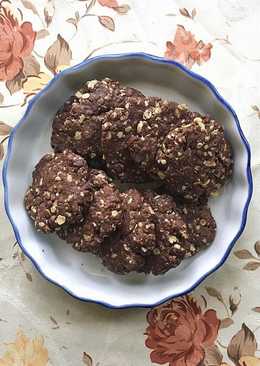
x: 219, y: 323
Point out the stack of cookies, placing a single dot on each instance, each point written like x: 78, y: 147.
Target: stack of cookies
x: 109, y: 143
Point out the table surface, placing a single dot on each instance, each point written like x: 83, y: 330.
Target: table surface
x: 219, y: 323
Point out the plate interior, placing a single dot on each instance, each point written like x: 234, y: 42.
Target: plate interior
x: 82, y: 274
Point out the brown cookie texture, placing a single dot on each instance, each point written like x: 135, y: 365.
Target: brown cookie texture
x: 201, y: 226
x: 135, y: 239
x: 77, y: 125
x: 156, y: 120
x: 101, y: 220
x: 106, y: 94
x: 160, y: 264
x: 195, y: 159
x: 78, y: 131
x: 173, y: 242
x: 154, y: 228
x: 119, y: 125
x: 131, y: 134
x: 58, y: 196
x: 97, y: 179
x: 120, y: 259
x: 139, y: 223
x: 147, y: 232
x: 161, y: 203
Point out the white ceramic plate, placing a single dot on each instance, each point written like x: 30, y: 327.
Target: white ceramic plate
x: 82, y: 275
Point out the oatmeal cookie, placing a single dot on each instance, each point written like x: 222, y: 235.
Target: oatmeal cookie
x: 58, y: 196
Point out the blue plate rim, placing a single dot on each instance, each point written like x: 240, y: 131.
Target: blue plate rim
x: 154, y: 59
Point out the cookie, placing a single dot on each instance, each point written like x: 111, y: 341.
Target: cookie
x: 160, y: 264
x: 78, y: 131
x: 153, y: 228
x: 201, y: 226
x: 102, y: 218
x: 58, y: 196
x: 195, y: 159
x: 120, y: 259
x: 153, y: 125
x: 118, y: 127
x: 161, y: 203
x: 77, y: 125
x: 139, y: 223
x: 172, y: 234
x: 106, y: 94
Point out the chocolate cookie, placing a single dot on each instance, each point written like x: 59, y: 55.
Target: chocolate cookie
x: 131, y: 134
x: 201, y: 226
x: 160, y: 264
x: 118, y: 127
x: 139, y: 223
x: 119, y: 258
x: 152, y: 228
x: 195, y: 159
x: 78, y: 131
x: 161, y: 203
x: 103, y: 217
x: 58, y: 194
x: 127, y: 250
x: 105, y: 94
x: 77, y: 125
x: 153, y: 125
x: 172, y: 234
